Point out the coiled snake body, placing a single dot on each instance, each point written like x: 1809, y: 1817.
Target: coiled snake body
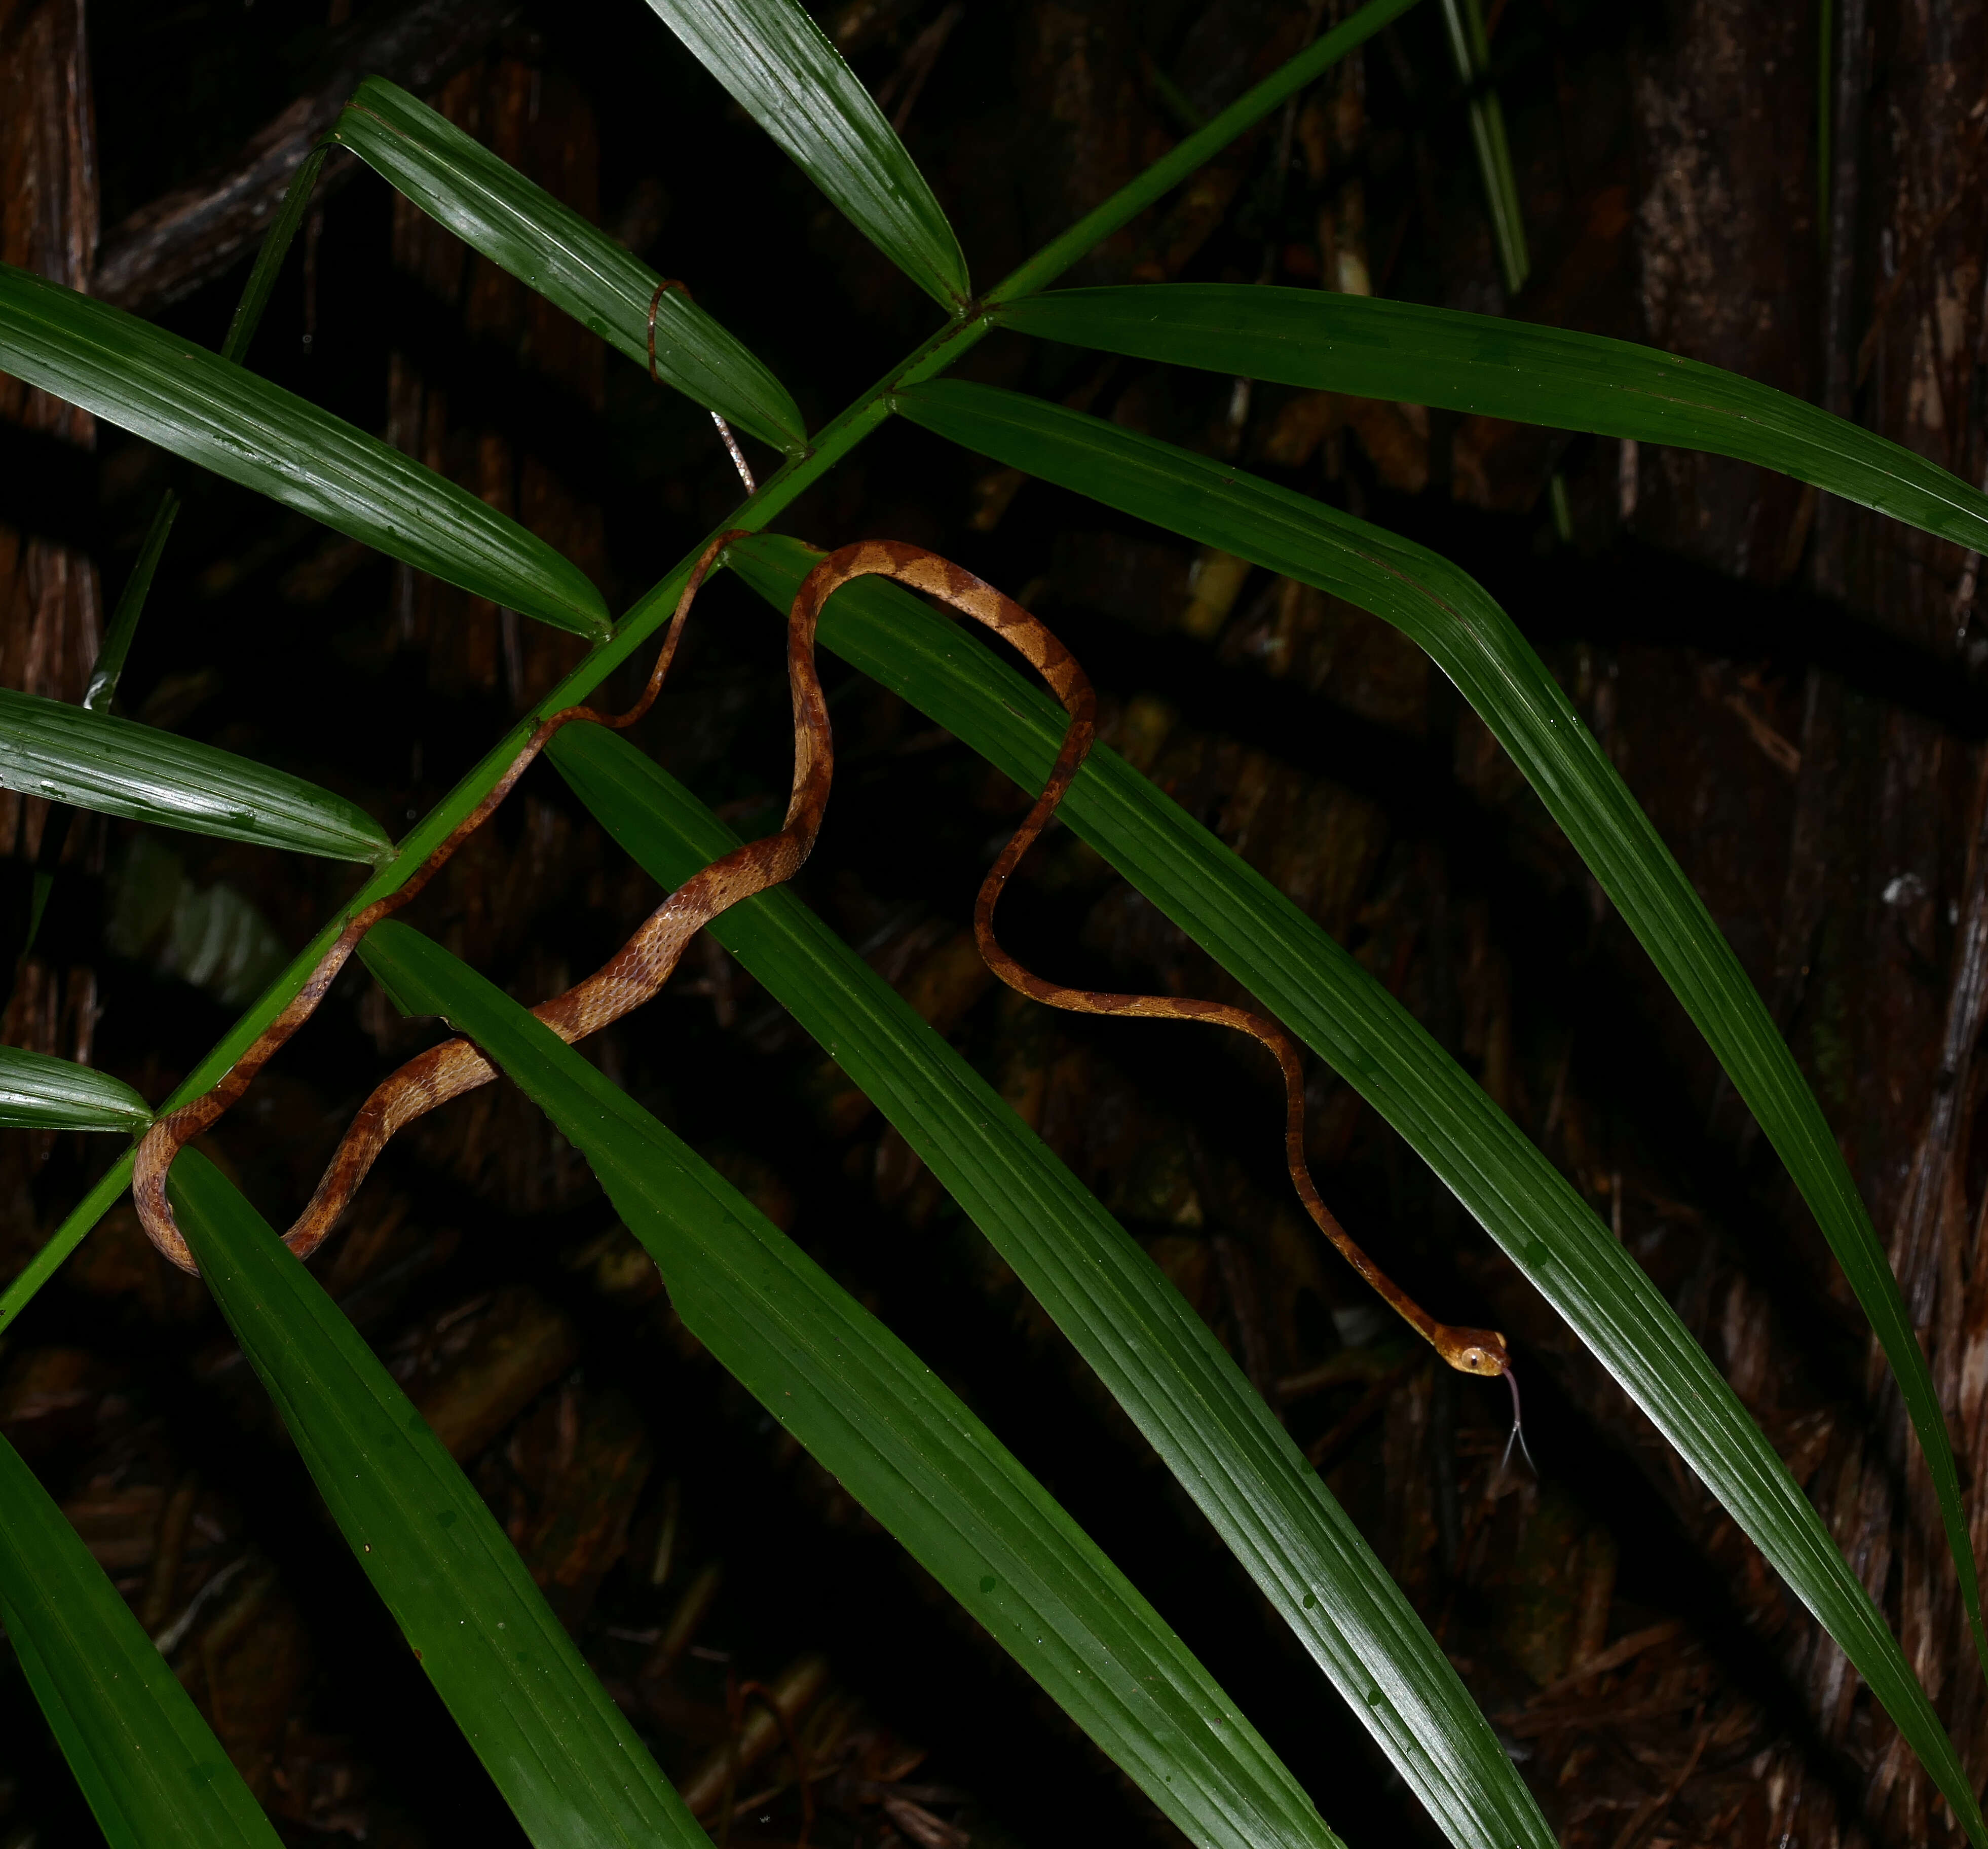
x: 646, y: 962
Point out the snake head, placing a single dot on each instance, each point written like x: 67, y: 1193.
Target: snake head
x: 1474, y: 1351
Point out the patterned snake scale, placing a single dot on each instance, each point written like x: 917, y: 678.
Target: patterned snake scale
x: 646, y: 962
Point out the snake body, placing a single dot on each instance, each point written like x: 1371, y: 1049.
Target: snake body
x: 646, y: 962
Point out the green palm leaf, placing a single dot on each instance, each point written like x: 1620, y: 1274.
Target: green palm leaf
x: 1158, y: 1359
x: 51, y: 748
x: 40, y: 1093
x: 786, y: 75
x: 1326, y: 998
x: 1507, y: 369
x: 1472, y: 639
x: 155, y: 1775
x: 877, y: 1416
x: 550, y: 248
x: 569, y: 1766
x: 203, y: 407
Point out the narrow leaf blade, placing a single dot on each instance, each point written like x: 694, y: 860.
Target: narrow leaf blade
x: 153, y: 1774
x: 117, y: 638
x: 1472, y: 640
x: 782, y: 70
x: 568, y: 1764
x: 1157, y: 1357
x: 213, y: 413
x: 38, y: 1092
x: 1507, y: 369
x: 1352, y: 1021
x: 550, y: 248
x: 50, y: 749
x: 877, y: 1416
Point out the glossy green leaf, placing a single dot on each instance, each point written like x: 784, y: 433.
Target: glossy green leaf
x: 785, y: 74
x: 1472, y: 639
x: 900, y: 1443
x: 1158, y: 1358
x: 568, y: 1765
x: 269, y: 255
x: 49, y: 748
x: 1352, y: 1022
x: 201, y: 406
x: 155, y: 1775
x: 1507, y: 369
x: 38, y: 1093
x: 551, y: 248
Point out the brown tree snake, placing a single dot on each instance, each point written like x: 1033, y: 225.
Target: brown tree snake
x: 647, y: 961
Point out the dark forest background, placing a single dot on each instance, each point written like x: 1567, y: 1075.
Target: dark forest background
x: 1795, y: 690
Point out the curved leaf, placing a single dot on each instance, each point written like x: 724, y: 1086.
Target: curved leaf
x: 38, y: 1092
x: 1347, y: 1018
x: 567, y: 1762
x: 875, y: 1416
x: 786, y: 75
x: 551, y: 248
x: 51, y: 748
x: 203, y: 407
x: 1507, y: 369
x: 1472, y: 639
x: 155, y: 1775
x: 1158, y: 1358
